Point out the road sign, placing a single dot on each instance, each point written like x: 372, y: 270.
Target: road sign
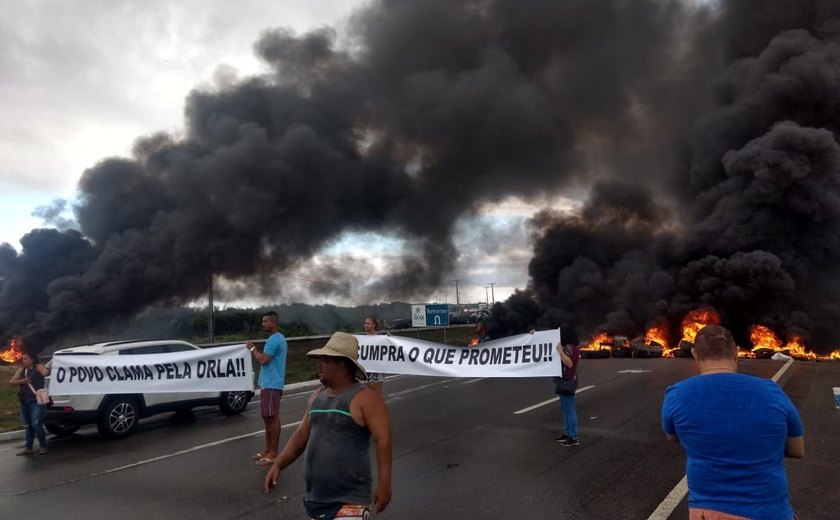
x: 437, y: 315
x: 418, y: 315
x: 430, y: 315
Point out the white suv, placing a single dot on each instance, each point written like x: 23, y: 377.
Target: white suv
x: 116, y: 415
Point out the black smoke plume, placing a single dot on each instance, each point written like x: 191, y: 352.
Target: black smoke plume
x: 704, y: 133
x: 751, y: 226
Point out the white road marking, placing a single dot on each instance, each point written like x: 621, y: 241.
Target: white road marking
x: 155, y: 459
x: 678, y: 493
x: 781, y: 371
x: 204, y: 446
x: 397, y: 395
x: 634, y: 371
x: 474, y: 380
x: 671, y: 501
x: 549, y: 401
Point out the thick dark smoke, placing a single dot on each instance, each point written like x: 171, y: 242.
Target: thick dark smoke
x: 714, y: 147
x: 752, y: 227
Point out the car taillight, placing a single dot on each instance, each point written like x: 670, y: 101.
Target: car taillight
x: 68, y: 409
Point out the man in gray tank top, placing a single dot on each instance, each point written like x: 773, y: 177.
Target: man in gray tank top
x: 341, y: 418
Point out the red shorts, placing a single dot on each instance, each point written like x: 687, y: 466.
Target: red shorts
x: 270, y: 402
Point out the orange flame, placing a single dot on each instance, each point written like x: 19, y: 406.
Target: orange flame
x: 797, y: 349
x: 473, y: 342
x: 602, y: 340
x: 833, y: 356
x: 657, y: 334
x: 13, y: 352
x: 696, y: 320
x: 669, y: 352
x: 764, y: 338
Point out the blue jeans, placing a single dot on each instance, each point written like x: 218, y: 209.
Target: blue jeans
x: 32, y: 417
x: 567, y: 403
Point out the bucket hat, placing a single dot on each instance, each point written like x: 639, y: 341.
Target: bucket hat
x: 342, y: 344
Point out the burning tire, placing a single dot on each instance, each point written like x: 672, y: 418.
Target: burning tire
x: 648, y: 353
x: 764, y: 353
x: 595, y: 354
x: 642, y: 349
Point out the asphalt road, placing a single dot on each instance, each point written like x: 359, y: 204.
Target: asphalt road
x: 461, y: 450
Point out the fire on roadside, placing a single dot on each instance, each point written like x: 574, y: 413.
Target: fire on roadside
x: 797, y: 349
x: 657, y: 335
x: 602, y: 340
x: 669, y: 352
x: 763, y: 338
x: 833, y: 356
x: 691, y: 324
x: 696, y: 320
x: 766, y: 342
x: 13, y: 352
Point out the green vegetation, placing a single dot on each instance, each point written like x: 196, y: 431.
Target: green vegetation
x: 235, y: 323
x: 9, y: 409
x: 298, y: 366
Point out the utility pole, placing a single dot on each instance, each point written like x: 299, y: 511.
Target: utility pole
x: 211, y: 335
x: 457, y: 296
x: 492, y: 296
x: 486, y: 298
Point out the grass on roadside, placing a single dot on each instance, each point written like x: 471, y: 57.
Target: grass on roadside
x: 9, y: 407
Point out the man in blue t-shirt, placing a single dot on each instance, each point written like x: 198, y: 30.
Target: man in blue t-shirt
x: 272, y: 378
x: 736, y: 430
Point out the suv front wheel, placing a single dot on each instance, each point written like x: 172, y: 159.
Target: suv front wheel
x: 119, y: 417
x: 234, y: 403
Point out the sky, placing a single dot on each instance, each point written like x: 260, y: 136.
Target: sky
x: 336, y: 152
x: 80, y: 81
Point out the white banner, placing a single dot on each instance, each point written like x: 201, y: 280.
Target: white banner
x: 206, y: 370
x: 525, y: 355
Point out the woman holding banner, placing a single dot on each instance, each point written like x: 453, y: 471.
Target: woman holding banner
x: 28, y: 379
x: 375, y: 380
x: 567, y: 385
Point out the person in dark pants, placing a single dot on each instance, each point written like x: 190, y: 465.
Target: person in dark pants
x: 570, y: 355
x: 340, y: 420
x: 28, y: 378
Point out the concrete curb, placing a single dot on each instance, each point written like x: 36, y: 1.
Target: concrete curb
x: 21, y: 434
x: 12, y: 436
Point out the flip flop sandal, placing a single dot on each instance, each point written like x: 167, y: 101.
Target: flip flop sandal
x: 265, y: 461
x: 257, y: 456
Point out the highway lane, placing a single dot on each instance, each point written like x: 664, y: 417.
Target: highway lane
x: 461, y: 450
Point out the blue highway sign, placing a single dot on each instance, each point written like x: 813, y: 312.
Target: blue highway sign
x: 437, y: 315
